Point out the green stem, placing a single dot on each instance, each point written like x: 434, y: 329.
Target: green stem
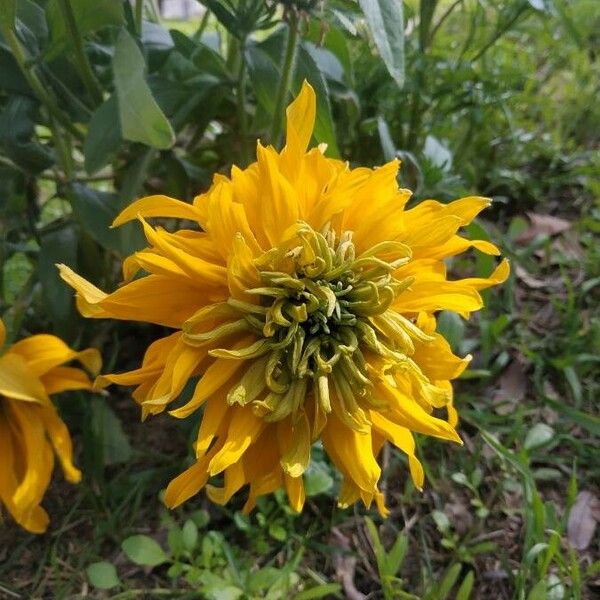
x: 203, y: 23
x: 139, y: 14
x: 61, y: 144
x: 241, y: 98
x: 286, y: 78
x: 83, y: 64
x: 41, y: 93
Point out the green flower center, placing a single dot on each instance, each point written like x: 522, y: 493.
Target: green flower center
x: 321, y: 306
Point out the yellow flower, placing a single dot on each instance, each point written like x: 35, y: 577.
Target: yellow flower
x: 305, y: 302
x: 31, y: 430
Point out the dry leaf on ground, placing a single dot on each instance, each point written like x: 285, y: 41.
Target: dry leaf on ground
x: 583, y: 519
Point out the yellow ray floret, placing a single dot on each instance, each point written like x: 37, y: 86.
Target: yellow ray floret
x: 303, y: 297
x: 31, y: 431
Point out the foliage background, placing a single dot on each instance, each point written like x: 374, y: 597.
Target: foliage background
x: 102, y: 102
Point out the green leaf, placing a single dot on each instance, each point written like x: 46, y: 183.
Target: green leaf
x: 58, y: 246
x: 143, y: 550
x: 96, y: 211
x: 103, y: 575
x: 448, y: 581
x: 264, y: 75
x: 190, y: 535
x: 16, y: 272
x: 397, y: 553
x: 141, y: 118
x: 539, y: 435
x: 91, y: 16
x: 320, y: 591
x: 386, y: 22
x: 104, y: 136
x: 317, y: 479
x: 8, y: 12
x: 108, y: 431
x: 466, y: 587
x: 17, y: 135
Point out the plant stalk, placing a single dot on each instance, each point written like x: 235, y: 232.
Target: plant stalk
x: 139, y: 16
x: 34, y: 82
x: 241, y: 98
x: 287, y: 74
x: 83, y: 64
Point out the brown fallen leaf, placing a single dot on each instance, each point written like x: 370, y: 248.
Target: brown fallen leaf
x: 583, y: 519
x: 543, y: 225
x: 512, y: 388
x: 345, y: 566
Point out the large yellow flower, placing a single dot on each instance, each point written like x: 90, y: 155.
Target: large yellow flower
x: 305, y: 301
x: 31, y: 430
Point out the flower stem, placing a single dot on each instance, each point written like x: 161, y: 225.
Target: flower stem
x: 83, y: 64
x: 40, y: 91
x: 139, y: 14
x: 287, y: 74
x: 241, y: 98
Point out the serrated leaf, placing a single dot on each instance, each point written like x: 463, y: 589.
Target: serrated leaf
x: 143, y: 550
x: 141, y: 118
x: 103, y: 575
x: 386, y: 22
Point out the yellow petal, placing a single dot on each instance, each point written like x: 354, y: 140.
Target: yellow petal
x: 61, y: 441
x: 44, y: 352
x: 431, y: 296
x: 294, y: 442
x: 36, y: 455
x: 153, y: 299
x: 157, y: 206
x: 402, y: 438
x: 2, y: 334
x: 301, y: 115
x: 18, y: 381
x: 295, y: 490
x: 354, y: 451
x: 188, y: 484
x: 221, y: 371
x: 243, y: 430
x: 500, y: 275
x: 62, y: 379
x: 406, y: 412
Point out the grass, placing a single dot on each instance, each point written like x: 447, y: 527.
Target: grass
x: 493, y: 519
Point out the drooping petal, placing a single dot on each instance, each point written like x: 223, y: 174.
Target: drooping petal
x: 157, y: 206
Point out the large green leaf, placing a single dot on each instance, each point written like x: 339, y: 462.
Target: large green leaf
x: 91, y: 15
x: 58, y: 246
x: 386, y: 22
x: 144, y: 550
x: 109, y: 434
x: 8, y: 12
x: 140, y: 116
x: 96, y: 211
x: 104, y: 136
x: 103, y: 575
x: 17, y: 124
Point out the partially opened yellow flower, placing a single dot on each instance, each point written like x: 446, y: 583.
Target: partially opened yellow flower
x: 305, y: 300
x: 31, y: 431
